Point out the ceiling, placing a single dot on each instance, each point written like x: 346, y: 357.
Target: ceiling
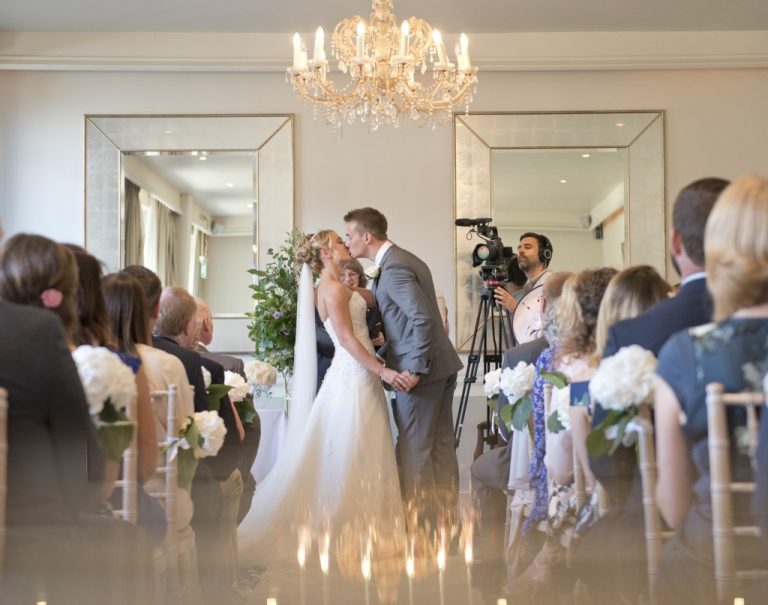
x: 480, y: 16
x: 222, y: 184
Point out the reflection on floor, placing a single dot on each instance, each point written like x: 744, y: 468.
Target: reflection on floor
x: 286, y: 584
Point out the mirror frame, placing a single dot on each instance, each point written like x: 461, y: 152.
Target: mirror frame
x: 104, y: 191
x: 473, y: 183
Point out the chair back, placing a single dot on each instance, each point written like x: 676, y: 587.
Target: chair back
x: 3, y: 469
x: 654, y: 535
x: 128, y: 482
x: 722, y: 487
x: 168, y: 469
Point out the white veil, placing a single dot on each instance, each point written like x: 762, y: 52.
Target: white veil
x: 305, y: 357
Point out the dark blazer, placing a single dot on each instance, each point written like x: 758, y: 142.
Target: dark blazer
x: 692, y: 306
x: 205, y: 495
x: 416, y: 339
x: 228, y: 362
x: 48, y: 422
x: 325, y: 349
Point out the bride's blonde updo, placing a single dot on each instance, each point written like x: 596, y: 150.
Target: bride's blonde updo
x: 309, y: 247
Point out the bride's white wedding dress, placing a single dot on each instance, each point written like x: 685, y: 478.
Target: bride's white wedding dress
x: 340, y: 473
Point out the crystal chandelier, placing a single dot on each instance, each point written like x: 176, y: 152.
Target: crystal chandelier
x: 386, y: 64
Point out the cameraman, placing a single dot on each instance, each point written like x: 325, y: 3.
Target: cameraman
x: 533, y: 255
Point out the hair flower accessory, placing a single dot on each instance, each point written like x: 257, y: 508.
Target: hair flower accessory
x: 51, y: 298
x: 373, y: 272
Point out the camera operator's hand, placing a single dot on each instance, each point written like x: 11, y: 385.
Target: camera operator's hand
x: 504, y: 298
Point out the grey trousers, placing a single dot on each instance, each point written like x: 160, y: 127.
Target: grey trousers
x: 426, y: 455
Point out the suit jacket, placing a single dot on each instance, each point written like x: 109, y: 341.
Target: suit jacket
x: 691, y: 307
x: 49, y: 427
x: 417, y: 341
x: 228, y: 362
x: 206, y: 496
x: 325, y: 349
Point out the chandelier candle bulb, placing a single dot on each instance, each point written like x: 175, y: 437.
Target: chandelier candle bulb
x: 464, y: 41
x: 360, y: 40
x: 296, y: 51
x: 319, y: 54
x: 404, y: 31
x: 440, y: 47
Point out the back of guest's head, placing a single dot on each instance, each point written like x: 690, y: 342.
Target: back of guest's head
x: 578, y: 307
x: 126, y: 311
x: 691, y: 210
x: 368, y: 220
x: 310, y: 246
x: 149, y: 282
x: 736, y: 247
x: 37, y: 271
x: 354, y: 265
x: 177, y: 307
x: 628, y: 294
x: 91, y: 311
x: 553, y: 287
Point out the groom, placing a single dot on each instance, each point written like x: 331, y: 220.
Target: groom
x: 419, y: 348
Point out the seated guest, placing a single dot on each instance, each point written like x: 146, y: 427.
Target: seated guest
x: 353, y: 277
x: 552, y: 461
x: 252, y: 429
x: 610, y: 557
x: 56, y: 545
x: 490, y: 472
x: 733, y: 352
x: 175, y: 329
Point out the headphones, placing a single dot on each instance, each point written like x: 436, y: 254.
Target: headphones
x: 545, y: 246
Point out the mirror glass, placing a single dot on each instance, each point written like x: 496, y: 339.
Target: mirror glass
x: 198, y: 199
x: 592, y: 182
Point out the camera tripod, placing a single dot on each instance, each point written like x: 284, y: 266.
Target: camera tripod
x: 501, y: 339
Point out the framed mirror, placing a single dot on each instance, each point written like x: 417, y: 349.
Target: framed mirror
x: 196, y: 198
x: 592, y: 182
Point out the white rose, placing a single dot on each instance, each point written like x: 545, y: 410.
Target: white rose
x: 104, y: 376
x: 561, y: 404
x: 206, y: 377
x: 516, y: 382
x: 491, y: 383
x: 212, y: 430
x: 260, y: 373
x: 239, y: 387
x: 624, y: 379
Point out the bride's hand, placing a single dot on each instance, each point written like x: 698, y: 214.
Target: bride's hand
x: 392, y: 377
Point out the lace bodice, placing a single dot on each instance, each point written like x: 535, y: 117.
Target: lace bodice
x: 342, y: 358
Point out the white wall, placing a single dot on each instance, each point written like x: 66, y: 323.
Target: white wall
x: 716, y: 124
x: 226, y: 287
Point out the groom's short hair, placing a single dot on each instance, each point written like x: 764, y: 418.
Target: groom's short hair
x: 370, y: 220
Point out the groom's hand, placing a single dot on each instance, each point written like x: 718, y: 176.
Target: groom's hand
x: 410, y: 380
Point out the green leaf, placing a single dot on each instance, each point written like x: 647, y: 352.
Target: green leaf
x: 626, y: 418
x: 505, y: 414
x: 115, y: 438
x: 187, y: 466
x: 215, y: 392
x: 493, y: 403
x: 522, y: 409
x: 246, y: 410
x: 553, y: 423
x: 557, y: 379
x: 597, y: 443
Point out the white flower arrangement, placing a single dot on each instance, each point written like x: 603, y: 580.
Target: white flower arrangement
x: 517, y: 382
x: 625, y: 379
x: 491, y: 384
x: 561, y: 405
x: 239, y: 387
x: 621, y: 384
x: 261, y: 377
x: 109, y: 387
x: 206, y: 376
x: 201, y: 436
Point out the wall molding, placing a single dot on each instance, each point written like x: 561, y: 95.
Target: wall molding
x: 238, y: 52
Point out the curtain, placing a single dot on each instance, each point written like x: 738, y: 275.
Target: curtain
x: 198, y: 262
x: 134, y: 234
x: 166, y: 245
x: 150, y: 206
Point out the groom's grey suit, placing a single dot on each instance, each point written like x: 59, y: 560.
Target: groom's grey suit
x: 417, y: 341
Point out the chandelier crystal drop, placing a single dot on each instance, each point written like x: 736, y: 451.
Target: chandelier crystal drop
x: 386, y: 64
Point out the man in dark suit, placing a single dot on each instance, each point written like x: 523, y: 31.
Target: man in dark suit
x: 252, y: 430
x: 417, y: 347
x: 692, y: 306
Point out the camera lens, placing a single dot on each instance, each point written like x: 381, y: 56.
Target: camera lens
x: 483, y: 252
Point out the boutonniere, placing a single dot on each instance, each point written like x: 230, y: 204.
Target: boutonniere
x: 373, y: 272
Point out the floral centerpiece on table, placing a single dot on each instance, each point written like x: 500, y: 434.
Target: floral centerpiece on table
x: 517, y: 384
x: 201, y: 436
x: 622, y: 383
x: 261, y: 378
x: 273, y: 319
x: 110, y: 387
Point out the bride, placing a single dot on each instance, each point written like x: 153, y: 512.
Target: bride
x: 337, y: 472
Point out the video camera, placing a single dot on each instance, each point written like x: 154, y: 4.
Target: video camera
x: 497, y: 262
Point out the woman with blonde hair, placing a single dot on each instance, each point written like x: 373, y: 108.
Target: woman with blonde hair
x: 732, y: 351
x: 340, y: 470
